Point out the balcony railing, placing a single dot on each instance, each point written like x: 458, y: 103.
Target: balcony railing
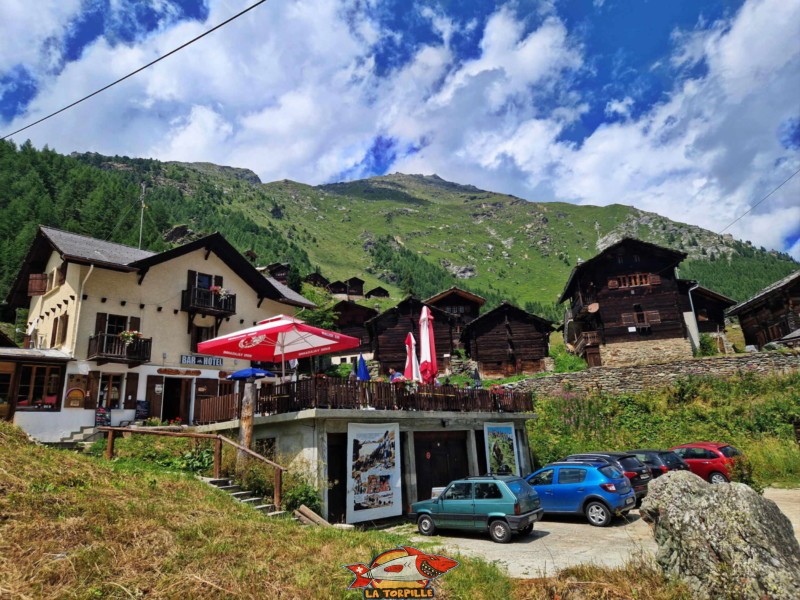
x: 204, y: 301
x: 587, y: 338
x: 582, y: 302
x: 109, y: 347
x: 367, y: 395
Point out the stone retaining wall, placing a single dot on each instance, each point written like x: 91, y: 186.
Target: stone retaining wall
x: 622, y: 380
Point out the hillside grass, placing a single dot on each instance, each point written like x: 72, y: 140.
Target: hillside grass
x: 74, y: 526
x: 755, y: 414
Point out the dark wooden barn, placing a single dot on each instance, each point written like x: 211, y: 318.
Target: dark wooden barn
x: 317, y: 280
x: 377, y: 292
x: 463, y: 305
x: 351, y: 321
x: 279, y: 271
x: 355, y: 287
x: 627, y: 293
x: 389, y: 329
x: 709, y: 306
x: 772, y: 314
x: 338, y: 288
x: 507, y: 341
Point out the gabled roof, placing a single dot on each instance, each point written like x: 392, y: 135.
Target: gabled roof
x: 437, y: 313
x: 377, y: 289
x: 459, y: 292
x: 6, y: 342
x: 354, y: 279
x: 350, y: 306
x: 674, y: 257
x: 704, y: 291
x: 83, y: 249
x: 503, y: 308
x: 750, y: 302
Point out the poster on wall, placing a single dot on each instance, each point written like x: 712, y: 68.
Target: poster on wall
x: 501, y: 448
x: 373, y: 464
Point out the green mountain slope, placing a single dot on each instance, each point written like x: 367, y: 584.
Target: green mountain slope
x: 408, y: 233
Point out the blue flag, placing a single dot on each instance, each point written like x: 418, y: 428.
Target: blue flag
x: 363, y: 371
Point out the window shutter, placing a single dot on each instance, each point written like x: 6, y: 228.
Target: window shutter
x: 655, y: 279
x: 131, y: 391
x: 218, y: 280
x: 613, y: 284
x: 191, y: 279
x: 194, y: 339
x: 37, y: 284
x: 628, y: 319
x: 62, y: 329
x: 54, y: 333
x: 92, y: 389
x: 62, y: 273
x: 134, y: 323
x: 100, y: 323
x: 653, y: 317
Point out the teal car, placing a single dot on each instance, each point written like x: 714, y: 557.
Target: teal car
x: 503, y: 505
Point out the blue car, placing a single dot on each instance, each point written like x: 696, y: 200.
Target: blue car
x: 595, y: 489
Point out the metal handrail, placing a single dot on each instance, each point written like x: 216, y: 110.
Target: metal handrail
x: 219, y: 440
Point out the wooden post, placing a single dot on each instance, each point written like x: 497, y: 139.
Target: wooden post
x: 217, y: 458
x: 109, y: 445
x: 246, y: 422
x: 276, y: 496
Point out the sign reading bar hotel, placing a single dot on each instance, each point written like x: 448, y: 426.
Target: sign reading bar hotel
x: 205, y: 361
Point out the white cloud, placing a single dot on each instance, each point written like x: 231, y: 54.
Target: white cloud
x: 620, y: 107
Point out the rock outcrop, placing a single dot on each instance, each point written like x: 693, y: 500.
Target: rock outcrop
x: 724, y: 541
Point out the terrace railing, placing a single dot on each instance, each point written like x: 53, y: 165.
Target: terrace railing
x: 366, y: 395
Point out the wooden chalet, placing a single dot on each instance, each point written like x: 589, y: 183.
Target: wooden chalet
x: 463, y: 305
x: 626, y: 306
x: 338, y: 289
x: 351, y: 321
x: 772, y: 314
x: 317, y: 280
x: 355, y: 287
x: 278, y: 271
x: 507, y: 341
x: 389, y: 329
x: 377, y: 292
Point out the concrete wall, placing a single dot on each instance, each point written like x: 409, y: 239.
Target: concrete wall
x: 645, y: 352
x: 633, y: 379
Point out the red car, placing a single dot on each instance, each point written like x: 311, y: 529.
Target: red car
x: 710, y: 460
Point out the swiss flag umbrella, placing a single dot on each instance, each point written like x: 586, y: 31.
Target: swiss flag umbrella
x: 411, y: 372
x: 278, y: 338
x: 427, y: 348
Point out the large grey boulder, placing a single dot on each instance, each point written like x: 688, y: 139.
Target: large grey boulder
x: 724, y: 540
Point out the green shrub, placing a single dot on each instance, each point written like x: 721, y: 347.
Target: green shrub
x: 298, y: 489
x: 743, y: 472
x: 707, y: 346
x: 565, y: 362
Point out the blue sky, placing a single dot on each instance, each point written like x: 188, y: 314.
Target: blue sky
x: 689, y: 109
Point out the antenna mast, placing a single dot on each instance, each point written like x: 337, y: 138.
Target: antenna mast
x: 141, y: 216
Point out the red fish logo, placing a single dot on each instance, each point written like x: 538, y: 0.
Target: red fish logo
x: 402, y: 567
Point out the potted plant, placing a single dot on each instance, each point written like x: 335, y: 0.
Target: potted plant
x: 129, y: 335
x: 220, y: 291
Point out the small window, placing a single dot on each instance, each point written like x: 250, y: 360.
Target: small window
x: 487, y: 491
x: 571, y: 475
x: 543, y: 478
x: 610, y: 472
x: 729, y: 451
x: 459, y: 491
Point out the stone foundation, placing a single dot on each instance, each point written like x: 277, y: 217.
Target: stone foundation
x: 645, y: 352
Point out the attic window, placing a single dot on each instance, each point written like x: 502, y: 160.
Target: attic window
x: 633, y: 280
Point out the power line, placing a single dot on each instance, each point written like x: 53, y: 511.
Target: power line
x: 150, y: 64
x: 760, y: 201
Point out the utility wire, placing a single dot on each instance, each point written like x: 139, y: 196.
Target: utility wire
x: 150, y: 64
x: 760, y: 201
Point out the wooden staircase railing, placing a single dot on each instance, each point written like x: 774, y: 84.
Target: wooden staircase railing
x: 218, y: 441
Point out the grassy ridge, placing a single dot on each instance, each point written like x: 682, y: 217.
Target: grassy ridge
x: 756, y: 414
x: 72, y: 526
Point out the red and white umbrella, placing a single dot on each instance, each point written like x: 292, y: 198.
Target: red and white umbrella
x: 411, y: 372
x: 427, y: 348
x: 278, y: 338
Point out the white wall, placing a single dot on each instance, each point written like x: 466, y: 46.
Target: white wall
x: 53, y: 426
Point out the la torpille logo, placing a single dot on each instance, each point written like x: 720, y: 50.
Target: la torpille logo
x: 402, y: 572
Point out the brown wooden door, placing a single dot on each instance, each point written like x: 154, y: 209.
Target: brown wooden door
x: 337, y: 477
x: 154, y: 398
x: 131, y: 391
x: 441, y: 457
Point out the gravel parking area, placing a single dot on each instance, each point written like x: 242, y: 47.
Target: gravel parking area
x: 559, y: 542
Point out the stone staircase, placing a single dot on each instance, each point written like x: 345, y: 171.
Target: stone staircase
x: 247, y: 497
x: 80, y: 439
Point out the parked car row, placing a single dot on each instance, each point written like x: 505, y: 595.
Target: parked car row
x: 599, y: 485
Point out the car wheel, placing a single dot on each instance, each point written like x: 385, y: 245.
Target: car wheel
x: 527, y: 529
x: 500, y: 531
x: 425, y: 525
x: 598, y: 514
x: 717, y: 477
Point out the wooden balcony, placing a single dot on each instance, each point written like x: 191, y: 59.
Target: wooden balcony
x: 108, y: 347
x: 367, y: 395
x: 205, y: 302
x: 581, y: 304
x: 587, y: 338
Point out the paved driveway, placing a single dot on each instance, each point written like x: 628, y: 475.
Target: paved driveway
x: 559, y: 542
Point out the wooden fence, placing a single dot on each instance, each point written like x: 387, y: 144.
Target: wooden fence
x: 345, y: 394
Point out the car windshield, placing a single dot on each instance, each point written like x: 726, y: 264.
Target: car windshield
x: 520, y: 488
x: 630, y: 462
x: 729, y: 451
x: 610, y: 472
x: 671, y: 459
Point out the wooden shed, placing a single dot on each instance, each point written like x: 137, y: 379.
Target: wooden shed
x: 772, y: 313
x: 389, y: 329
x: 507, y: 341
x: 351, y: 321
x: 463, y: 305
x: 355, y: 287
x: 317, y: 280
x: 377, y: 292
